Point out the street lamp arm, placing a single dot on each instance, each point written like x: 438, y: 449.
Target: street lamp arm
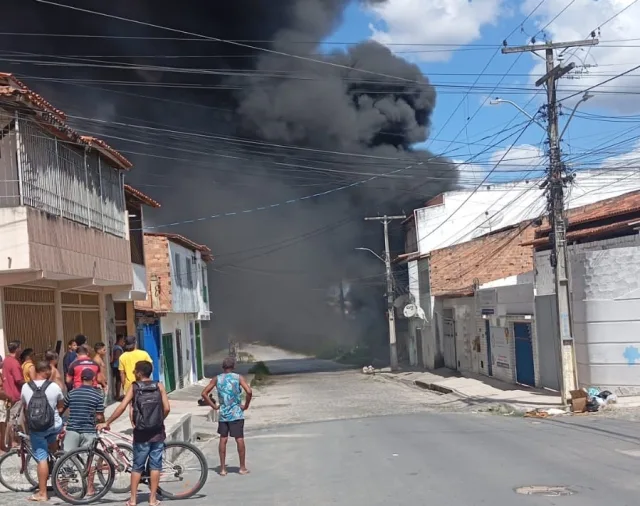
x: 372, y: 252
x: 584, y: 98
x: 498, y: 101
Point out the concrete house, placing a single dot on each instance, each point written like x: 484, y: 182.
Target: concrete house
x: 604, y: 269
x: 168, y: 320
x: 63, y: 228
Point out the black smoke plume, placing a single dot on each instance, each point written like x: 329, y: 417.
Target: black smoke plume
x: 215, y: 128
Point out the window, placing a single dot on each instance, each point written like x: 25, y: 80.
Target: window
x: 178, y: 269
x: 189, y: 279
x: 205, y: 292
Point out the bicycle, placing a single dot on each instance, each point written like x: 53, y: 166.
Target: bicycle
x: 103, y: 455
x: 21, y: 462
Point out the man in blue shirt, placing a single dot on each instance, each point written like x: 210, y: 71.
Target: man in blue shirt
x: 231, y: 420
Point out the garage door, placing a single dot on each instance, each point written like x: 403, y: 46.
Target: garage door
x: 29, y: 317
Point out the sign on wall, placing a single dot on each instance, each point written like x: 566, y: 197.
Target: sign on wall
x: 486, y: 301
x: 500, y: 347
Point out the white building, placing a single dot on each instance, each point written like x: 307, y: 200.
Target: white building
x: 169, y: 319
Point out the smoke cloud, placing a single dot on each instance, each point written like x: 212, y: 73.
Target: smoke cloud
x: 215, y: 128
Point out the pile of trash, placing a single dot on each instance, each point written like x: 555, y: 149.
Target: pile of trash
x: 368, y: 369
x: 591, y: 400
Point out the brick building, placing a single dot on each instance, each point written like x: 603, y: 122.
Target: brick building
x: 168, y: 320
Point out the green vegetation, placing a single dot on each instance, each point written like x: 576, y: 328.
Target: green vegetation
x: 260, y: 373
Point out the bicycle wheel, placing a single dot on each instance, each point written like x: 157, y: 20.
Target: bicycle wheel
x: 13, y: 476
x: 74, y: 480
x: 122, y: 458
x: 182, y: 464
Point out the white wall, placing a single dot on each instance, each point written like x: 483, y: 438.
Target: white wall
x: 605, y: 278
x: 507, y: 204
x: 170, y: 323
x: 502, y: 306
x: 14, y: 238
x: 184, y: 283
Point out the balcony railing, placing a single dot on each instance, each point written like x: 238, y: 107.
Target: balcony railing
x: 60, y: 178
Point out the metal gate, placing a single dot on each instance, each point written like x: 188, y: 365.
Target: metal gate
x: 449, y: 325
x: 419, y: 347
x: 524, y: 354
x: 180, y: 358
x: 199, y: 352
x: 487, y: 330
x: 167, y: 359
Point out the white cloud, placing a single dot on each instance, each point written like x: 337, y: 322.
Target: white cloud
x: 518, y: 161
x: 432, y: 22
x: 607, y: 59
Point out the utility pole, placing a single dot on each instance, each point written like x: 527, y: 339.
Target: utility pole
x: 393, y: 345
x: 555, y: 184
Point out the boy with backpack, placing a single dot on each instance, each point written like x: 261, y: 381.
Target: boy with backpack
x: 43, y: 402
x: 150, y: 407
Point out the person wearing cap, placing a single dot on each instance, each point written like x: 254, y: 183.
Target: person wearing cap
x: 86, y: 407
x: 128, y: 360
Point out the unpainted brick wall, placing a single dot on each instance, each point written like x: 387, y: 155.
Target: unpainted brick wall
x: 156, y: 254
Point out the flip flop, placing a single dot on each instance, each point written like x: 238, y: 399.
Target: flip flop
x: 35, y: 498
x: 157, y: 503
x: 129, y: 503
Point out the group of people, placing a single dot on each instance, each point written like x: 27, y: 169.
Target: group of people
x: 37, y: 399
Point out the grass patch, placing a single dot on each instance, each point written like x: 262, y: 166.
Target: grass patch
x: 260, y: 373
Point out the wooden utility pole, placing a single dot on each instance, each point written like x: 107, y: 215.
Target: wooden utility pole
x: 393, y: 345
x: 555, y: 184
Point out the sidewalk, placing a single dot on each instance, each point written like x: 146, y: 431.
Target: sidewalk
x: 477, y: 389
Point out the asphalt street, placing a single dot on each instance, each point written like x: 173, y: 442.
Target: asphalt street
x: 341, y: 437
x: 436, y: 458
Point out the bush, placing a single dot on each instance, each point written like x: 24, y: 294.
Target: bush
x: 260, y: 372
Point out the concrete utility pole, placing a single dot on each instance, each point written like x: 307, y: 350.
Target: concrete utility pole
x: 555, y: 183
x: 393, y: 345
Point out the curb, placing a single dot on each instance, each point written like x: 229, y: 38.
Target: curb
x: 436, y: 388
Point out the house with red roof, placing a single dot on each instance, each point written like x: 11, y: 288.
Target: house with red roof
x: 63, y: 225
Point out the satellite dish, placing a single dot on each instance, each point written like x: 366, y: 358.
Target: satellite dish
x: 410, y: 310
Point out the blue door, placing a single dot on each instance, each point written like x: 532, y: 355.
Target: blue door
x: 487, y: 331
x: 524, y: 353
x: 149, y: 339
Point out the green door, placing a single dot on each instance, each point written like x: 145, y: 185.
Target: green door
x: 199, y: 369
x: 169, y: 365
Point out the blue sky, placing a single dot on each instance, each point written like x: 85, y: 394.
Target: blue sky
x: 468, y: 60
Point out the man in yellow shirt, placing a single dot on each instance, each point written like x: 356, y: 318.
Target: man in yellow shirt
x: 128, y: 360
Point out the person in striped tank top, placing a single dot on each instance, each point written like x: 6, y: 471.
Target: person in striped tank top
x: 231, y: 419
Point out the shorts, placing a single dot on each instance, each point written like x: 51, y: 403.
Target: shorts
x: 235, y: 429
x: 4, y: 411
x: 40, y: 442
x: 151, y: 451
x: 74, y: 440
x: 15, y: 414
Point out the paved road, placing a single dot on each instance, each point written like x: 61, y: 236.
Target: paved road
x: 279, y: 361
x: 346, y: 438
x: 436, y: 458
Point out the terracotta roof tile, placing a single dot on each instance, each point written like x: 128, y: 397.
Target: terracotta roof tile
x: 585, y: 232
x: 55, y: 119
x: 107, y: 151
x: 604, y: 209
x: 141, y: 197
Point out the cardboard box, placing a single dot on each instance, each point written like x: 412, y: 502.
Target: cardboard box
x: 579, y: 400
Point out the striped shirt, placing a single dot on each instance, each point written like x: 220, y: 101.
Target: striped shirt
x: 83, y: 404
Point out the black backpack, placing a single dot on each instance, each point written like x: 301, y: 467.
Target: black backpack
x: 148, y: 412
x: 40, y: 414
